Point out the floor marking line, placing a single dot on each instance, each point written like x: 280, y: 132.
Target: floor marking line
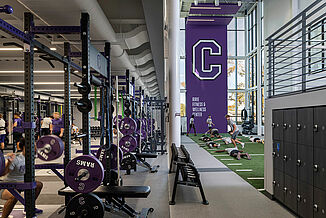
x: 255, y: 178
x: 227, y: 159
x: 234, y: 164
x: 244, y: 170
x: 221, y: 155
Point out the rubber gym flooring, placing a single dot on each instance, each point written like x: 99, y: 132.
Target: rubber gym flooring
x: 50, y: 202
x: 250, y: 170
x: 228, y: 194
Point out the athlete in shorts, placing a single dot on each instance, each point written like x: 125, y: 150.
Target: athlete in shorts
x: 14, y: 172
x: 2, y: 132
x: 234, y: 131
x: 192, y: 124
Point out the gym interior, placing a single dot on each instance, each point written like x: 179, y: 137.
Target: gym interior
x: 162, y: 108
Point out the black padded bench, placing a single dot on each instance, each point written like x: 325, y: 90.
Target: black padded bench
x: 189, y: 173
x: 141, y: 157
x: 115, y: 197
x: 179, y: 155
x: 113, y: 191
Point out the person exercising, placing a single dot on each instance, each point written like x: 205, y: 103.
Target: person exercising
x: 45, y: 125
x: 2, y: 132
x: 18, y: 130
x: 14, y: 172
x: 234, y: 131
x: 192, y: 124
x: 209, y: 122
x: 234, y: 152
x: 213, y: 132
x: 56, y: 127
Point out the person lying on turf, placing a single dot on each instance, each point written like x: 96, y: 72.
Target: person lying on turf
x: 234, y: 152
x: 14, y: 172
x: 255, y: 139
x: 234, y: 131
x: 213, y: 133
x: 226, y: 140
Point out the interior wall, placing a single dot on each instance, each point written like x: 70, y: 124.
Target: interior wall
x: 300, y: 100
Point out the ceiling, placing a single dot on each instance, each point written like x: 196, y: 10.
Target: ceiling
x: 133, y: 27
x: 245, y: 5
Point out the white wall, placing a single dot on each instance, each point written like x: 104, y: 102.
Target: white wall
x: 316, y: 98
x: 276, y: 14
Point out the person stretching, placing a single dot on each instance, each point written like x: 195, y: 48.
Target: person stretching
x: 192, y: 124
x: 234, y: 152
x: 234, y: 131
x: 14, y: 172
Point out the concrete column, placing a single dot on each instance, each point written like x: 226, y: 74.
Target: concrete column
x: 174, y: 77
x: 259, y: 68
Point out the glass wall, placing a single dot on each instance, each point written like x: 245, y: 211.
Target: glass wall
x: 242, y: 65
x: 236, y: 67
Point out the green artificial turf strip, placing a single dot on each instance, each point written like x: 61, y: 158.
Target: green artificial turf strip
x: 256, y: 163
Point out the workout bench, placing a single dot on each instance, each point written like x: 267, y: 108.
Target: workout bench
x: 115, y: 198
x: 189, y: 173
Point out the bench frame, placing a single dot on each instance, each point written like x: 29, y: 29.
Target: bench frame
x: 189, y: 173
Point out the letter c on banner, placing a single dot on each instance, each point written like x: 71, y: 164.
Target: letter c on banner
x: 200, y: 62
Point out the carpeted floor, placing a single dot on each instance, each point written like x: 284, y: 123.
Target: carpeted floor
x: 250, y: 170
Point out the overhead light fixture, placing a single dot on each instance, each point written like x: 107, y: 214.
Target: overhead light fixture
x: 35, y: 71
x: 217, y: 2
x: 54, y: 90
x: 208, y: 8
x: 11, y: 49
x: 201, y: 20
x: 239, y: 3
x: 35, y: 83
x: 20, y: 49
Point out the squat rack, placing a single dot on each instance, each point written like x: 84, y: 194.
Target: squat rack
x: 88, y: 51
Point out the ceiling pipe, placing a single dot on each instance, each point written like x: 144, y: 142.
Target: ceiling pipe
x: 104, y: 31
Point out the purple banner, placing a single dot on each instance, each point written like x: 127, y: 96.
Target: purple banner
x: 206, y: 74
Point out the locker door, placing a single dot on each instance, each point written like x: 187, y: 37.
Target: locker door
x: 290, y: 125
x: 290, y: 159
x: 278, y: 185
x: 277, y: 124
x: 319, y: 205
x: 320, y: 127
x: 305, y: 126
x: 290, y: 192
x: 319, y: 168
x: 305, y: 164
x: 305, y: 200
x: 278, y: 156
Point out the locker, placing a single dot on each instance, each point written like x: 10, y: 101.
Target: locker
x: 290, y: 159
x: 290, y: 125
x: 319, y: 205
x: 290, y: 192
x: 319, y: 168
x: 305, y: 200
x: 277, y: 124
x: 278, y: 156
x: 319, y: 127
x: 278, y: 185
x: 305, y: 126
x: 305, y: 164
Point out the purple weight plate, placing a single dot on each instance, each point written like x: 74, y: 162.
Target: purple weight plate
x: 128, y: 143
x: 84, y: 173
x: 127, y: 126
x: 49, y: 147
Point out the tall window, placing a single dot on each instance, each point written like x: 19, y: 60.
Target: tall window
x: 236, y: 67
